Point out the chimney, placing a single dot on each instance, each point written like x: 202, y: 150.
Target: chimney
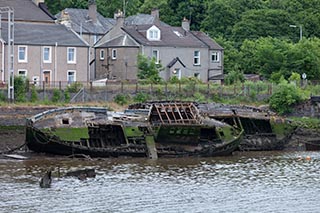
x: 36, y: 2
x: 155, y: 14
x: 65, y: 18
x: 92, y: 13
x: 185, y: 24
x: 119, y: 18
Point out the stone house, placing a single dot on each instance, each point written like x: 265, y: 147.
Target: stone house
x: 180, y: 51
x: 43, y: 51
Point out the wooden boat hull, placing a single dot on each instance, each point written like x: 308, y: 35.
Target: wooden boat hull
x: 171, y: 129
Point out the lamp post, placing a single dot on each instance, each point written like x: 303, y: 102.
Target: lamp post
x: 300, y: 26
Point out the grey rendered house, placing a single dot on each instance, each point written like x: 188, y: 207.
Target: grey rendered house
x: 88, y: 24
x: 43, y: 50
x: 181, y: 52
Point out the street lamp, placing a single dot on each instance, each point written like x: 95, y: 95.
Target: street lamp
x: 300, y: 26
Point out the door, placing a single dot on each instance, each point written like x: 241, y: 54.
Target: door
x: 46, y: 77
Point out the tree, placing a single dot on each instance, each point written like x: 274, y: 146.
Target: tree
x: 263, y: 23
x: 148, y: 69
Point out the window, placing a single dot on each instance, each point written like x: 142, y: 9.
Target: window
x: 71, y: 55
x: 196, y: 57
x: 114, y: 54
x: 47, y: 54
x: 155, y: 55
x: 101, y: 54
x: 153, y: 33
x: 22, y: 54
x: 22, y: 73
x: 71, y: 76
x: 214, y: 57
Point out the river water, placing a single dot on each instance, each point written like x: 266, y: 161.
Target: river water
x: 245, y: 182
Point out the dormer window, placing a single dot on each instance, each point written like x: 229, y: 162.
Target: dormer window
x: 153, y: 33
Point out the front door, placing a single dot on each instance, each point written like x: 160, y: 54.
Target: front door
x: 46, y: 77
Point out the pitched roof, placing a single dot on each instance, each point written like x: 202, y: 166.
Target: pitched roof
x: 170, y: 36
x: 120, y: 41
x: 42, y: 34
x: 174, y: 61
x: 26, y: 10
x: 141, y: 19
x: 207, y: 40
x: 80, y: 19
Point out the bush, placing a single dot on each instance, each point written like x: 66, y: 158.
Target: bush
x: 20, y: 88
x: 141, y: 97
x: 74, y: 87
x: 121, y: 99
x: 66, y: 96
x: 285, y: 97
x: 56, y: 97
x: 34, y: 94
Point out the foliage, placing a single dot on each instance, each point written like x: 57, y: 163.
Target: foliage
x: 74, y: 87
x: 234, y: 77
x: 148, y: 69
x: 2, y: 96
x: 141, y: 97
x: 20, y: 89
x: 34, y: 94
x: 56, y: 97
x: 285, y: 97
x: 66, y: 96
x: 122, y: 99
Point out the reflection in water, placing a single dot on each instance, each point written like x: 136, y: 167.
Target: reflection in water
x: 246, y: 182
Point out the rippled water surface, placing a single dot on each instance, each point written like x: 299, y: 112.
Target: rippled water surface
x: 246, y: 182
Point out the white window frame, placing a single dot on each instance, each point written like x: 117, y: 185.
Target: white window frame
x: 102, y: 53
x: 196, y: 58
x: 156, y: 55
x: 25, y: 73
x: 74, y: 59
x: 25, y: 59
x: 75, y: 76
x: 215, y: 57
x: 49, y: 55
x: 153, y: 33
x: 114, y: 54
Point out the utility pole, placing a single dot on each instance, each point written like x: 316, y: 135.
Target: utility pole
x: 10, y: 43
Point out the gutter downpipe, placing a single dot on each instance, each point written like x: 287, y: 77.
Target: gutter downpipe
x: 2, y: 61
x: 55, y: 61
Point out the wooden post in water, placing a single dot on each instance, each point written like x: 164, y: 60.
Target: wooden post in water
x: 152, y: 151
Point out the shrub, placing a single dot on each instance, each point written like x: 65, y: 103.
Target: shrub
x: 20, y: 88
x: 34, y: 94
x: 74, y: 87
x: 141, y: 97
x: 56, y: 97
x: 285, y: 97
x: 66, y: 96
x: 121, y: 99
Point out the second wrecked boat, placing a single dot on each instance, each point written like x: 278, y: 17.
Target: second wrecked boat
x: 144, y: 130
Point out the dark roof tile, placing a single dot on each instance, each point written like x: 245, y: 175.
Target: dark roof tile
x: 80, y: 19
x: 26, y: 10
x: 42, y: 34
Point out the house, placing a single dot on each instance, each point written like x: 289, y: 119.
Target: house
x: 43, y: 51
x: 181, y: 52
x: 88, y: 23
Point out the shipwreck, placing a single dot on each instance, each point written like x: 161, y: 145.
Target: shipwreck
x: 151, y: 130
